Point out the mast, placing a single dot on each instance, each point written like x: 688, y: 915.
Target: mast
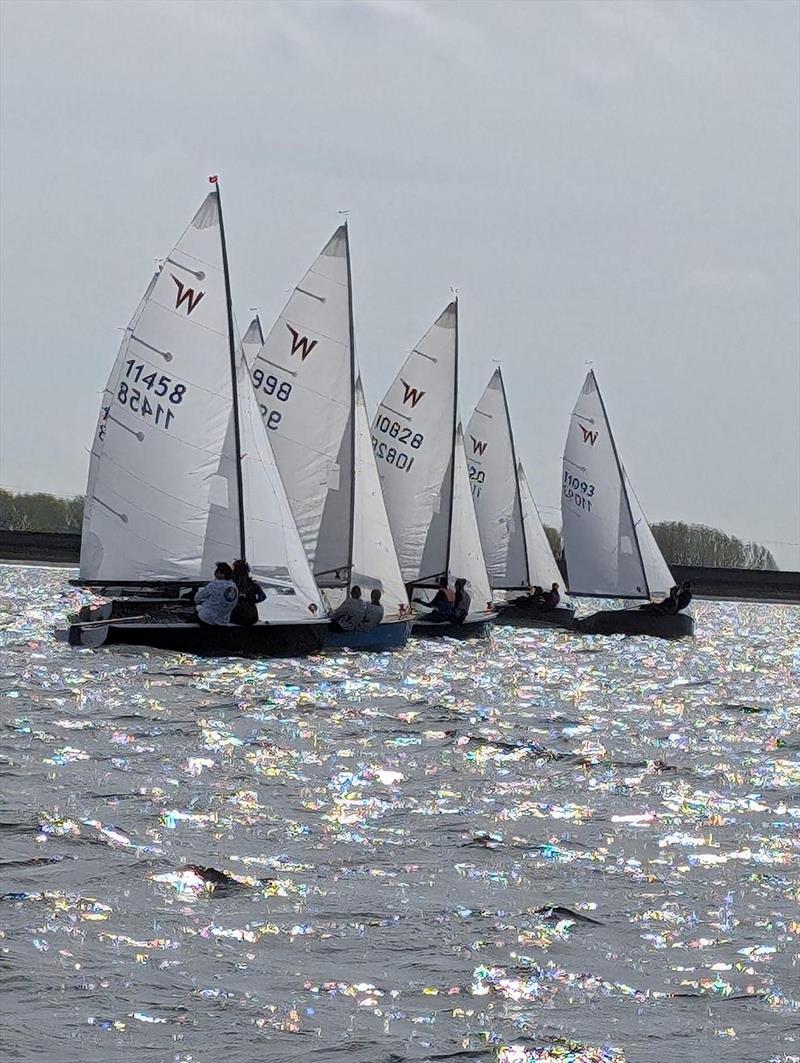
x: 624, y: 485
x: 452, y: 449
x: 516, y: 474
x: 352, y: 408
x: 234, y: 386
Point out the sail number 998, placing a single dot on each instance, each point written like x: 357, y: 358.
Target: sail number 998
x: 271, y: 385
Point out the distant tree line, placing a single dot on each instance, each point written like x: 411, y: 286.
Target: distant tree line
x: 695, y: 544
x: 681, y: 544
x: 40, y: 512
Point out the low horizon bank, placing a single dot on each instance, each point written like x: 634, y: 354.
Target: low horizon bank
x: 735, y: 584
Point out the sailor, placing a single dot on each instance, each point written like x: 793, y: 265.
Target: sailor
x: 250, y: 594
x: 215, y: 601
x: 441, y: 605
x: 552, y: 598
x: 350, y: 614
x: 667, y: 605
x: 373, y: 613
x: 463, y: 600
x: 684, y: 596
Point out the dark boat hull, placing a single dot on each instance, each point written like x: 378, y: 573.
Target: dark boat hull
x: 525, y: 616
x: 636, y: 622
x: 391, y: 636
x: 473, y: 629
x: 183, y: 635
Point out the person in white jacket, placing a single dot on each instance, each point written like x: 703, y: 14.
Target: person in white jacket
x: 215, y: 602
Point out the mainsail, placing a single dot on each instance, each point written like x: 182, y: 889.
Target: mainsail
x: 305, y: 380
x: 304, y: 377
x: 167, y: 488
x: 609, y: 547
x: 413, y: 434
x: 420, y: 449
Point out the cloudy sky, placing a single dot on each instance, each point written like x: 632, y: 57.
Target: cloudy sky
x: 605, y: 183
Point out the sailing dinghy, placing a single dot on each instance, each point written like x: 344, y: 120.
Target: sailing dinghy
x: 309, y: 390
x: 517, y: 552
x: 418, y: 442
x: 609, y: 547
x: 181, y: 474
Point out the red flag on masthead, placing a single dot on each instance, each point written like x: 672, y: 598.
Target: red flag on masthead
x: 213, y: 180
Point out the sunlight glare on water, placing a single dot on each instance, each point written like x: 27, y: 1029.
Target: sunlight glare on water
x: 538, y: 848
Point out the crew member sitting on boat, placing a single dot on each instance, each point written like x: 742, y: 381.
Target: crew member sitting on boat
x: 250, y: 594
x: 373, y: 613
x: 215, y: 602
x: 442, y: 603
x: 684, y: 596
x: 552, y: 598
x: 463, y: 600
x: 350, y: 614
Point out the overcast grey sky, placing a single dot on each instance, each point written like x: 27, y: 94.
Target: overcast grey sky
x: 605, y: 182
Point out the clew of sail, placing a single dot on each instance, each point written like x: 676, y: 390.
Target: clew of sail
x: 542, y: 567
x: 303, y: 377
x: 375, y: 561
x: 413, y: 439
x: 466, y: 555
x: 493, y: 477
x: 602, y: 539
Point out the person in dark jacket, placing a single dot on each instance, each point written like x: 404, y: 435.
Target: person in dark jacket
x: 250, y: 594
x: 463, y: 600
x: 442, y: 603
x: 684, y: 596
x: 552, y: 598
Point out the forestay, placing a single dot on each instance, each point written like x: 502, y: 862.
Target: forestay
x: 304, y: 378
x: 466, y: 555
x: 603, y: 539
x: 162, y: 499
x: 493, y: 476
x: 413, y: 435
x: 542, y: 568
x: 375, y: 561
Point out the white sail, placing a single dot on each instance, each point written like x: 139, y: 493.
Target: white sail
x: 162, y: 499
x: 375, y: 561
x: 412, y: 434
x: 542, y: 567
x: 493, y: 476
x: 303, y: 378
x: 659, y: 578
x: 253, y: 340
x: 602, y: 542
x: 466, y: 555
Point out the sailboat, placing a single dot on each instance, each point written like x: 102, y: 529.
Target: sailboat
x: 609, y: 547
x: 181, y: 474
x: 306, y: 380
x: 418, y: 442
x: 517, y: 552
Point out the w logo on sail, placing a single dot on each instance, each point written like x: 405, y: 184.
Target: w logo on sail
x: 410, y: 394
x: 478, y: 446
x: 301, y: 343
x: 186, y: 295
x: 589, y: 436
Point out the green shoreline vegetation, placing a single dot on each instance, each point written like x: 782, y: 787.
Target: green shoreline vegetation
x: 681, y: 543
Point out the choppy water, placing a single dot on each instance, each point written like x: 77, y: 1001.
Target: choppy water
x: 406, y: 821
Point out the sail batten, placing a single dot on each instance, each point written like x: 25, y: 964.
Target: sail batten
x: 609, y: 547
